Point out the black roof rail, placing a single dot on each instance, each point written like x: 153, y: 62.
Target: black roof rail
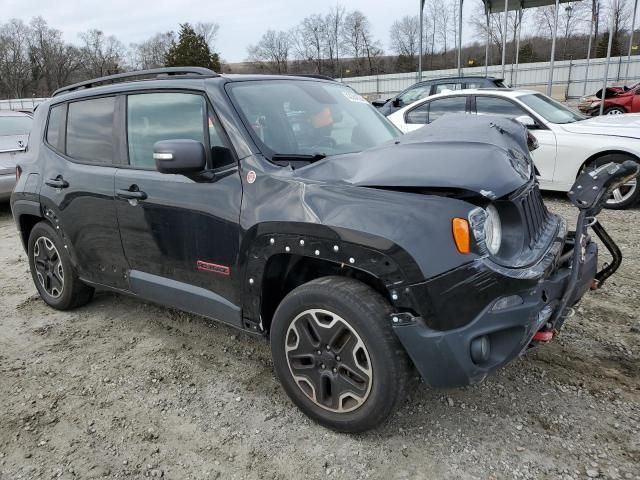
x: 312, y: 75
x: 158, y: 73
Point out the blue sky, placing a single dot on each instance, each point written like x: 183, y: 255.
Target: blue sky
x: 242, y: 22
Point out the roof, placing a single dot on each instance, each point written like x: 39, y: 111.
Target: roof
x: 464, y: 77
x: 92, y: 88
x: 497, y: 6
x: 13, y: 113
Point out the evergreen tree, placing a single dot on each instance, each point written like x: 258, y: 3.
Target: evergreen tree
x: 527, y: 54
x: 603, y: 44
x: 191, y: 50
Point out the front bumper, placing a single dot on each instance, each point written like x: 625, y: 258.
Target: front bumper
x: 7, y: 182
x: 444, y: 357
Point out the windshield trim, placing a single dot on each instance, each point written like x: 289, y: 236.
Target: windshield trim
x: 264, y: 149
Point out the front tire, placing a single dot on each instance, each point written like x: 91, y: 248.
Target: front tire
x: 53, y: 274
x: 615, y: 111
x: 336, y: 355
x: 624, y: 196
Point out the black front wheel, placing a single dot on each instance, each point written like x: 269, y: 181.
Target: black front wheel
x: 52, y: 271
x: 336, y: 355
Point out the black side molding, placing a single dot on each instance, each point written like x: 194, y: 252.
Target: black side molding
x: 183, y: 296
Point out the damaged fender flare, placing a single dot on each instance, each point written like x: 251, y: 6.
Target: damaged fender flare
x: 391, y: 265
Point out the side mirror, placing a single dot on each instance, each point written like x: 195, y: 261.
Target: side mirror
x: 527, y: 121
x: 179, y: 156
x: 396, y: 102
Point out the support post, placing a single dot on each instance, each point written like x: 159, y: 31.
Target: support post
x: 460, y: 39
x: 586, y: 73
x: 606, y: 65
x: 514, y: 74
x: 421, y: 40
x: 633, y: 26
x: 504, y: 34
x: 553, y: 48
x: 486, y: 51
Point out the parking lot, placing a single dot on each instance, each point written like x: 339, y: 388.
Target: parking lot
x: 123, y: 389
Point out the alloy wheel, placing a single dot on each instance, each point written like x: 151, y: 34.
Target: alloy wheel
x: 328, y: 361
x: 623, y: 192
x: 48, y: 265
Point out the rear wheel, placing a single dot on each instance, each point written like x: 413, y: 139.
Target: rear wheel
x: 52, y: 271
x: 336, y: 355
x: 615, y: 111
x: 627, y: 194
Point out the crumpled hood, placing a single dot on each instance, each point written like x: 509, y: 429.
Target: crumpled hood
x: 627, y: 125
x: 469, y: 152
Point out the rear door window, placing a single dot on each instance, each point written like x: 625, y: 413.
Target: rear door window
x: 90, y: 132
x: 442, y: 87
x: 445, y: 106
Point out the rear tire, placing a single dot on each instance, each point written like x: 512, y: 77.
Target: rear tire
x: 628, y: 194
x: 336, y: 355
x: 53, y: 274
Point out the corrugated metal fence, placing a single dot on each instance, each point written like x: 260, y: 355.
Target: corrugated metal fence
x: 20, y: 103
x: 569, y: 77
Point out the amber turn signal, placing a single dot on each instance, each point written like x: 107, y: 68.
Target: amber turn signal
x: 460, y: 228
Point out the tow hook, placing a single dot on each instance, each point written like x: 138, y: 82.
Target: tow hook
x: 543, y: 336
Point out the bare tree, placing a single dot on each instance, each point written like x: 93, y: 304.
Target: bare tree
x: 152, y: 52
x: 334, y: 22
x: 209, y: 30
x: 272, y: 51
x: 572, y: 18
x: 15, y: 65
x: 101, y: 55
x: 53, y: 62
x: 310, y: 37
x: 405, y: 36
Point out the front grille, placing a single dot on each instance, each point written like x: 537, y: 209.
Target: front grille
x: 534, y: 214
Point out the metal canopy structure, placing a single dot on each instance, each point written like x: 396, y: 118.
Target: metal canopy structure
x: 505, y: 6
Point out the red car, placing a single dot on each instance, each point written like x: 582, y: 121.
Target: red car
x: 617, y: 100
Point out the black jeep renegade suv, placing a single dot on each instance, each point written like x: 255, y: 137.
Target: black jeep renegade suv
x: 290, y: 208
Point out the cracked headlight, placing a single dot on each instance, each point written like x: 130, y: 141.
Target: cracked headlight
x: 487, y: 228
x: 492, y: 230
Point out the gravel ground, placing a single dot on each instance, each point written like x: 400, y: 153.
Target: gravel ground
x: 123, y: 389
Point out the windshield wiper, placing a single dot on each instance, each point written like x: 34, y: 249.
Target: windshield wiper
x: 286, y: 158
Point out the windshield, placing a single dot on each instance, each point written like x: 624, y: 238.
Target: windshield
x: 549, y: 109
x: 15, y: 125
x: 298, y: 117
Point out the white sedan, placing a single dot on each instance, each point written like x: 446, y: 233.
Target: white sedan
x: 568, y: 142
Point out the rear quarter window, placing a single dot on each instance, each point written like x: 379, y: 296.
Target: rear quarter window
x: 55, y: 127
x: 90, y: 134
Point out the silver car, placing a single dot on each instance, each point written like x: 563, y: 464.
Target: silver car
x: 14, y: 133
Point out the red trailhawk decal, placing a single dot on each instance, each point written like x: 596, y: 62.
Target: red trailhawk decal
x: 213, y: 268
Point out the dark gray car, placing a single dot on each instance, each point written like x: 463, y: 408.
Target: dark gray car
x: 14, y: 133
x: 420, y: 90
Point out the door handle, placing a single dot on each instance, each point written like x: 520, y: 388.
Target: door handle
x: 57, y: 182
x: 131, y: 194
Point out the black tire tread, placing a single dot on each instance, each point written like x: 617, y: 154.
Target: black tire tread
x: 372, y: 305
x: 81, y: 294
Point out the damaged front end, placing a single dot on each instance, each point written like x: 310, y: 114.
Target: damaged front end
x: 480, y: 316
